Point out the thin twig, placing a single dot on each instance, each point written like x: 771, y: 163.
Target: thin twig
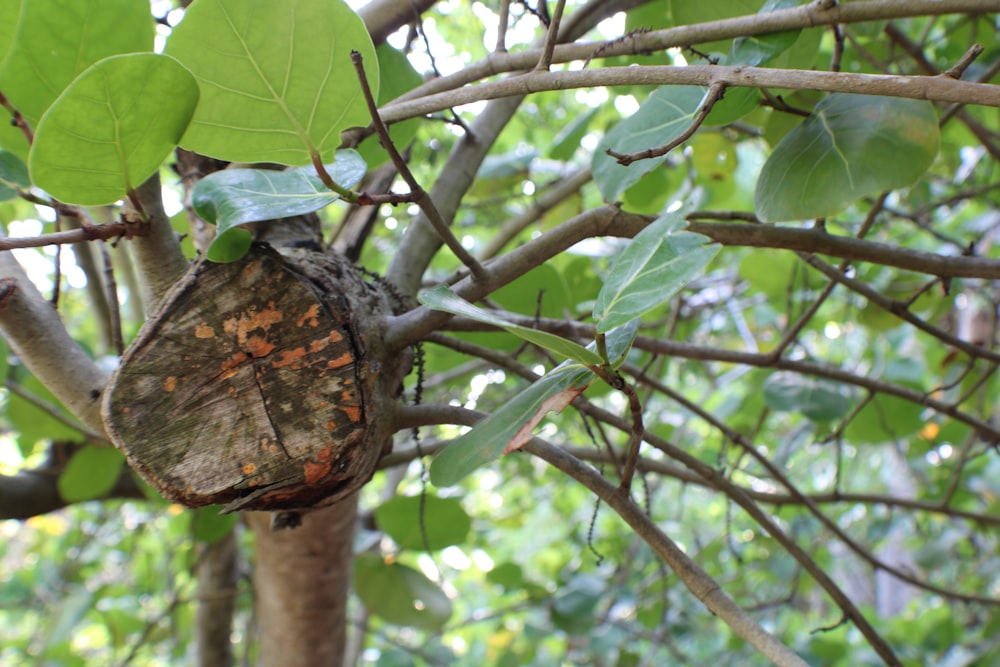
x: 420, y: 196
x: 114, y: 311
x: 504, y: 13
x: 714, y: 95
x: 17, y: 119
x: 956, y: 70
x: 55, y: 412
x: 87, y: 232
x: 551, y: 38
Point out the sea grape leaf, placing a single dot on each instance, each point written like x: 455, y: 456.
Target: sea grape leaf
x: 55, y: 40
x: 445, y: 521
x: 235, y: 197
x: 651, y: 269
x: 818, y: 400
x: 850, y: 147
x: 442, y: 298
x: 209, y: 526
x: 277, y: 80
x: 665, y: 114
x: 400, y: 594
x: 13, y: 175
x: 112, y: 128
x: 90, y: 473
x: 505, y: 428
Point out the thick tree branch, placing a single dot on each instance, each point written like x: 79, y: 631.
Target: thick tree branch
x: 809, y: 15
x: 38, y: 337
x: 157, y: 253
x: 939, y: 89
x: 34, y: 492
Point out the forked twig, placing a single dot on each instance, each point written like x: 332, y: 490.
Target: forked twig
x: 551, y: 38
x: 417, y: 194
x: 715, y: 92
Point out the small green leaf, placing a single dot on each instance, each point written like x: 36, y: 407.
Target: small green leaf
x: 445, y: 521
x: 818, y: 400
x: 276, y: 78
x: 509, y: 426
x: 13, y: 175
x: 850, y: 147
x: 566, y: 143
x: 90, y: 473
x: 235, y: 197
x: 442, y: 298
x: 573, y: 607
x: 665, y: 114
x: 400, y: 594
x: 651, y: 269
x: 112, y: 128
x: 208, y: 526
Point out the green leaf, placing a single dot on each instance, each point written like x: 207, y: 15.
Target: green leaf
x: 566, y: 143
x: 208, y: 526
x: 885, y: 419
x: 850, y: 147
x: 665, y: 114
x: 442, y: 298
x: 400, y: 594
x: 276, y: 78
x: 573, y: 607
x: 398, y: 77
x: 13, y: 175
x: 112, y: 128
x: 445, y: 521
x: 55, y: 41
x: 91, y: 473
x: 235, y: 197
x: 651, y: 269
x: 510, y: 426
x: 818, y: 400
x: 31, y: 422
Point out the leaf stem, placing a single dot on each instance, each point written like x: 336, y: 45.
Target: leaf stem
x: 324, y: 175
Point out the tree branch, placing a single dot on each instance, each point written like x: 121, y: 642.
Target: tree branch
x: 157, y: 253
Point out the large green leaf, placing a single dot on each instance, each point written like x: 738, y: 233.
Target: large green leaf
x: 13, y: 175
x: 112, y: 128
x: 510, y: 426
x: 665, y: 114
x: 651, y: 269
x: 850, y: 147
x: 819, y: 400
x: 400, y: 594
x: 235, y: 197
x: 55, y: 41
x: 276, y: 78
x: 208, y: 525
x: 442, y: 298
x: 90, y: 473
x: 445, y: 522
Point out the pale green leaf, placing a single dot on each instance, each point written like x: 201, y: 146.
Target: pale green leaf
x: 442, y: 298
x: 663, y: 117
x: 13, y: 175
x: 444, y: 521
x: 818, y: 400
x: 651, y: 269
x: 400, y: 594
x: 91, y: 473
x: 505, y: 429
x: 54, y: 41
x: 235, y: 197
x: 850, y: 147
x: 276, y: 78
x: 112, y: 128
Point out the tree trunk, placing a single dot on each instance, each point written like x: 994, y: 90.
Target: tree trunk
x: 217, y: 600
x: 301, y: 579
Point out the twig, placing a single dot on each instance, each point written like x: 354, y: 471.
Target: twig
x: 114, y: 311
x: 87, y: 232
x: 55, y: 412
x: 956, y: 70
x: 17, y: 119
x: 714, y: 94
x: 551, y: 38
x: 504, y: 13
x: 420, y: 196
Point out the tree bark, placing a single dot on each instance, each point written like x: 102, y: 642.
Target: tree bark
x: 301, y: 579
x: 217, y: 574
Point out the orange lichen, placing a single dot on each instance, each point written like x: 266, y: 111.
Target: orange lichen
x: 291, y: 358
x: 315, y: 472
x: 170, y: 384
x: 258, y: 346
x: 249, y: 469
x: 341, y: 361
x: 309, y: 317
x: 204, y: 331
